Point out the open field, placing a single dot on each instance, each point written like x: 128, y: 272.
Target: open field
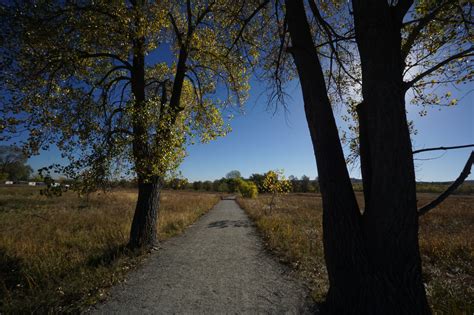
x: 293, y: 230
x: 59, y: 254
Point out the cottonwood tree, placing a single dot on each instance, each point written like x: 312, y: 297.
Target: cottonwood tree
x: 233, y: 175
x: 13, y: 164
x: 378, y: 50
x: 124, y: 84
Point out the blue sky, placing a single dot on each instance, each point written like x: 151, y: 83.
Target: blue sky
x: 262, y: 140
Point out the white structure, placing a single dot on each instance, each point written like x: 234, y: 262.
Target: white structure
x: 8, y: 182
x: 32, y: 183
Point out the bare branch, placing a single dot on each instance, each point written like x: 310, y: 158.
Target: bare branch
x: 444, y: 148
x: 330, y: 33
x: 198, y: 91
x: 110, y: 72
x: 190, y: 14
x: 465, y: 172
x: 327, y: 27
x: 122, y: 94
x: 154, y: 81
x: 179, y: 35
x: 342, y: 38
x: 246, y: 22
x: 465, y: 53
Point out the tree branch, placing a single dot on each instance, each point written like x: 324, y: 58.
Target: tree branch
x: 465, y: 172
x: 179, y: 35
x: 402, y: 8
x: 245, y: 23
x: 109, y: 73
x: 330, y: 32
x: 420, y: 76
x: 106, y: 55
x: 327, y: 27
x: 443, y: 148
x: 198, y: 91
x: 418, y: 28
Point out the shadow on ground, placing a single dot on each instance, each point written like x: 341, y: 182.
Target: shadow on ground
x: 229, y: 223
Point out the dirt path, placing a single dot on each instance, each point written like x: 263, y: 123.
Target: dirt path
x: 218, y: 265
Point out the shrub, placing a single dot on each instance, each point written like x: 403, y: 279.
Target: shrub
x: 223, y: 187
x: 248, y: 189
x: 276, y: 184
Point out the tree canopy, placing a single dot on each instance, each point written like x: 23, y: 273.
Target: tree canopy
x: 123, y: 84
x: 233, y: 175
x: 13, y: 164
x: 436, y: 53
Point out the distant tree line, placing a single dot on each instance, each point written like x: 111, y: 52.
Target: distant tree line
x: 230, y: 183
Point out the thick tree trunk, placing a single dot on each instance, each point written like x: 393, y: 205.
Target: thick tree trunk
x: 373, y: 260
x: 343, y: 247
x: 390, y: 217
x: 144, y: 226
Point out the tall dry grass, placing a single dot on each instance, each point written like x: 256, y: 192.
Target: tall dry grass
x: 294, y: 231
x: 60, y: 254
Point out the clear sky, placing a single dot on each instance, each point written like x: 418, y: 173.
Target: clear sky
x: 262, y: 140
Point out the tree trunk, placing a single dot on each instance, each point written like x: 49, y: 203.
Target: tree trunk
x: 373, y: 260
x: 144, y: 226
x: 342, y: 237
x: 365, y: 165
x: 390, y: 220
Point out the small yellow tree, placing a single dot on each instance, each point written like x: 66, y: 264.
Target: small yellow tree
x: 276, y: 184
x: 247, y: 189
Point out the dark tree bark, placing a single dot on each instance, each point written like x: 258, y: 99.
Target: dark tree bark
x: 343, y: 247
x: 365, y: 165
x: 390, y: 220
x: 373, y: 259
x: 144, y: 226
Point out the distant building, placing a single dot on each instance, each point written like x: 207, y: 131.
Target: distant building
x: 9, y: 182
x: 32, y: 183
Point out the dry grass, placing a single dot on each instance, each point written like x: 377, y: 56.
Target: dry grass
x: 294, y: 231
x: 60, y: 254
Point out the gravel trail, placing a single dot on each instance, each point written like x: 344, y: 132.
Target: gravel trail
x: 218, y: 266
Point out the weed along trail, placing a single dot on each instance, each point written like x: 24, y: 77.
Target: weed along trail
x: 217, y: 266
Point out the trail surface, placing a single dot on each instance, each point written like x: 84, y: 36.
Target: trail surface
x: 218, y: 266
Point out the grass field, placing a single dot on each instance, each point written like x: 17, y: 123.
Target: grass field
x: 294, y: 231
x: 61, y: 254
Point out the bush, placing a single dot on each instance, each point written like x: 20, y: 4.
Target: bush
x: 223, y: 187
x: 248, y: 189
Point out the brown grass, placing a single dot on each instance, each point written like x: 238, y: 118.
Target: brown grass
x: 294, y: 231
x: 60, y: 254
